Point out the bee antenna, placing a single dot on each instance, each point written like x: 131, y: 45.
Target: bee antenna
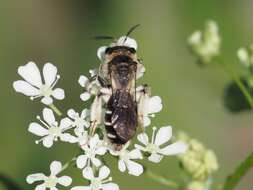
x: 131, y: 30
x: 103, y: 38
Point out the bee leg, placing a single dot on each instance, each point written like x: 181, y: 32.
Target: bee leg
x: 143, y: 93
x: 96, y: 114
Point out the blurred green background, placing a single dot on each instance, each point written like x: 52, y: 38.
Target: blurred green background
x: 60, y: 32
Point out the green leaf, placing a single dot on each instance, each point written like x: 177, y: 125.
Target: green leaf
x: 9, y: 183
x: 234, y: 100
x: 238, y: 174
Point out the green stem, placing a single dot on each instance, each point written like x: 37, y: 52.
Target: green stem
x: 239, y: 83
x: 55, y: 109
x: 66, y: 165
x: 9, y: 183
x: 238, y: 174
x: 161, y: 180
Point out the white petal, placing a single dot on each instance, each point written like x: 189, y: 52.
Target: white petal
x: 31, y: 74
x: 71, y: 113
x: 139, y: 147
x: 110, y: 186
x: 55, y: 167
x: 85, y: 96
x: 173, y: 149
x: 49, y: 73
x: 134, y: 168
x: 48, y: 116
x: 66, y: 137
x: 88, y: 173
x: 163, y: 135
x: 135, y: 154
x: 140, y: 71
x: 101, y: 150
x: 37, y: 129
x: 101, y: 52
x: 122, y: 166
x: 104, y: 172
x: 25, y: 88
x: 83, y: 80
x: 47, y: 100
x: 93, y: 72
x: 65, y: 123
x: 94, y: 141
x: 155, y: 104
x: 35, y: 177
x: 53, y: 188
x: 65, y: 180
x: 146, y: 121
x: 85, y: 113
x: 81, y: 161
x: 58, y: 94
x: 48, y: 141
x: 81, y: 188
x: 96, y: 162
x: 40, y: 187
x: 143, y: 138
x: 126, y: 41
x: 156, y: 158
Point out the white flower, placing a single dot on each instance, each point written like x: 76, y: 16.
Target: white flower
x: 52, y: 180
x: 82, y: 137
x: 84, y: 81
x: 79, y: 120
x: 51, y: 130
x: 125, y: 160
x: 206, y: 44
x: 148, y: 107
x: 97, y: 183
x: 92, y: 87
x: 127, y: 41
x: 91, y: 149
x: 101, y: 52
x: 245, y: 55
x: 163, y: 135
x: 34, y: 87
x: 196, y: 185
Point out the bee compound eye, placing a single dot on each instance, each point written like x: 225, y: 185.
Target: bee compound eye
x: 132, y: 50
x: 108, y: 50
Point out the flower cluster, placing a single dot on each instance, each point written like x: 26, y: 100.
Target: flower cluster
x: 198, y: 161
x: 206, y: 44
x: 245, y: 55
x: 76, y: 128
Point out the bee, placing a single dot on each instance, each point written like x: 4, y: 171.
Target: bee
x: 123, y: 102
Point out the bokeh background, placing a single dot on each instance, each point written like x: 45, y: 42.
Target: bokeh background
x: 60, y: 32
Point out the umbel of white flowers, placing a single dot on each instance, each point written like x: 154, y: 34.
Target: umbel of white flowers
x: 198, y: 161
x: 205, y: 44
x: 75, y: 129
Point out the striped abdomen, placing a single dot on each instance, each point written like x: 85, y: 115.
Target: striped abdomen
x: 121, y: 117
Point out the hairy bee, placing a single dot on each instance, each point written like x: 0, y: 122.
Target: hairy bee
x: 123, y: 102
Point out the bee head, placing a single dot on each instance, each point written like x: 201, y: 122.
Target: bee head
x: 124, y: 44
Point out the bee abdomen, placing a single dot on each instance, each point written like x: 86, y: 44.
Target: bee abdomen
x: 121, y: 117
